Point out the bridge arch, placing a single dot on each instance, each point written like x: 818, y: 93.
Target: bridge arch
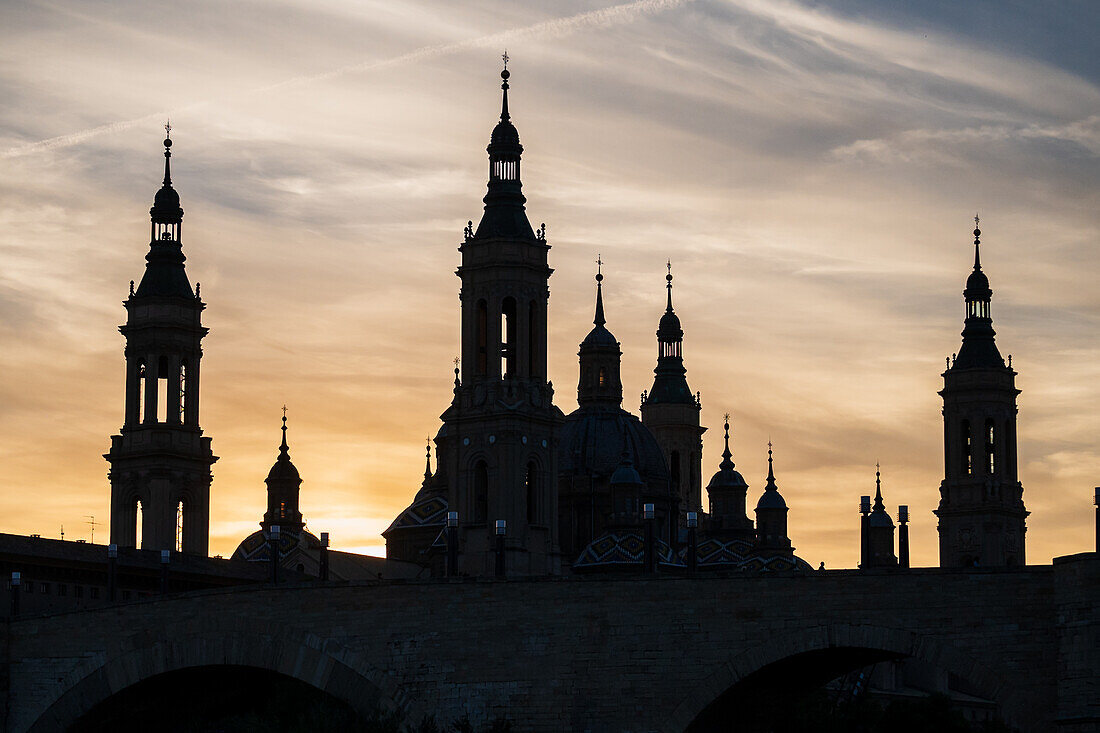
x: 324, y: 665
x: 846, y: 645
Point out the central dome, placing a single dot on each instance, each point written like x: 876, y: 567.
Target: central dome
x: 592, y: 443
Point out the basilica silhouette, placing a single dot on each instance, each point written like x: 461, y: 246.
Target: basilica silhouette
x: 518, y: 487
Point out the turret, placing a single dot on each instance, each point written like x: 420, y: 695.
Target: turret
x: 671, y: 411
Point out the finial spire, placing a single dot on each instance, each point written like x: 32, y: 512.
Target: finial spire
x: 878, y: 487
x: 726, y: 455
x: 771, y: 474
x: 283, y: 448
x: 504, y: 86
x: 167, y: 152
x: 599, y: 319
x: 428, y: 459
x: 977, y: 242
x: 668, y: 279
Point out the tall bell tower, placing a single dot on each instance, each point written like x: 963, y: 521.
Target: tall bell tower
x: 981, y: 511
x: 160, y: 461
x: 498, y: 443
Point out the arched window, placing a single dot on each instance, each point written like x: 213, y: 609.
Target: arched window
x: 967, y: 450
x: 139, y: 515
x: 1008, y: 465
x: 508, y: 337
x: 532, y: 338
x: 480, y: 509
x: 990, y: 446
x: 531, y: 483
x: 183, y: 391
x: 282, y: 510
x: 603, y: 377
x: 179, y: 526
x: 162, y: 390
x: 482, y: 337
x: 141, y: 391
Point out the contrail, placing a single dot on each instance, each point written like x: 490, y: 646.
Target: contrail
x: 555, y: 28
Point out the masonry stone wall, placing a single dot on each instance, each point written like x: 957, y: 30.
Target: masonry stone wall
x: 580, y: 653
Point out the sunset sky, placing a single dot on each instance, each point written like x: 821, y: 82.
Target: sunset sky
x: 812, y: 170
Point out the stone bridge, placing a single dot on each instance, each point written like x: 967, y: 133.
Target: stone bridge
x: 608, y: 653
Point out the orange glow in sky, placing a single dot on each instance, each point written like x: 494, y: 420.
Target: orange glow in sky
x: 812, y: 174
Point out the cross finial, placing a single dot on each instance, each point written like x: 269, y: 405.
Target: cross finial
x: 599, y: 264
x: 505, y: 58
x: 727, y: 417
x: 456, y: 360
x: 284, y: 412
x: 168, y: 128
x: 669, y: 266
x: 976, y: 220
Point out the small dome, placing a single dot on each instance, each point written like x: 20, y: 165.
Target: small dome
x: 166, y: 206
x: 977, y: 283
x: 880, y: 518
x: 505, y: 133
x: 669, y: 328
x: 600, y: 336
x: 771, y: 500
x: 623, y: 551
x: 283, y: 470
x: 727, y: 478
x: 625, y: 474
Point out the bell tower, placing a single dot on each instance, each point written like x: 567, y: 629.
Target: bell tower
x: 671, y: 412
x: 981, y: 511
x: 498, y: 443
x: 160, y: 461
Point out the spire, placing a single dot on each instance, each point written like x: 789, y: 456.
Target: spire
x: 879, y: 506
x: 504, y: 117
x: 504, y: 215
x: 668, y: 279
x: 167, y: 153
x: 979, y: 350
x: 599, y: 319
x: 727, y: 457
x: 428, y: 461
x: 284, y: 449
x: 771, y: 474
x: 164, y: 273
x: 977, y: 244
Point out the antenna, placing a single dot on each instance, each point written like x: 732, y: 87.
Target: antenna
x: 91, y: 523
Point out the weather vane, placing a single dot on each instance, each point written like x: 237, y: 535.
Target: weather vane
x: 284, y: 412
x: 168, y: 128
x: 976, y: 220
x: 599, y: 264
x: 505, y: 57
x: 727, y: 416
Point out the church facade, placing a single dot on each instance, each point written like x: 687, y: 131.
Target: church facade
x: 518, y: 486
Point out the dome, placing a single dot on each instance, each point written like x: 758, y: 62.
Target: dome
x: 977, y: 283
x: 879, y: 518
x: 283, y: 470
x: 623, y: 551
x: 669, y: 328
x: 625, y: 474
x: 727, y: 478
x: 766, y: 562
x: 592, y: 444
x: 600, y: 336
x: 292, y: 542
x: 771, y: 500
x: 505, y: 133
